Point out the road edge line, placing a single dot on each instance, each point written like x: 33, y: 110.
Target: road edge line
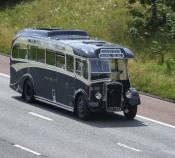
x: 155, y: 121
x: 4, y: 75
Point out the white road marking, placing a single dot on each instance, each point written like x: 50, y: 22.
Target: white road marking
x: 31, y: 151
x: 4, y: 75
x: 155, y: 121
x: 43, y: 117
x: 128, y: 147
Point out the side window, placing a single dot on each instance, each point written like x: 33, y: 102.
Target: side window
x: 41, y: 55
x: 78, y: 66
x: 70, y: 63
x: 50, y: 57
x: 22, y: 53
x: 37, y: 54
x: 60, y: 61
x: 32, y: 53
x: 15, y: 51
x: 85, y: 69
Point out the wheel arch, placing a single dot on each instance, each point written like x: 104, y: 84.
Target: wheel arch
x: 78, y: 93
x: 25, y: 78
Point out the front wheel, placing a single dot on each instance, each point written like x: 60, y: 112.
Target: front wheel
x: 130, y: 112
x: 82, y: 108
x: 28, y: 91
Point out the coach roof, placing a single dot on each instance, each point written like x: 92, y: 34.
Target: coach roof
x: 77, y: 39
x: 91, y: 48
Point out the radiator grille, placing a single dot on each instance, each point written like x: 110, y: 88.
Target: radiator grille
x: 114, y: 92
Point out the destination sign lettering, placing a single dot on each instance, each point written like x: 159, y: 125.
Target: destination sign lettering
x: 111, y: 53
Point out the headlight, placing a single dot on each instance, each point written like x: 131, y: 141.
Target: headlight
x: 128, y: 94
x: 98, y: 95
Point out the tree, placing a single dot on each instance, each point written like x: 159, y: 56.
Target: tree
x: 9, y: 3
x: 158, y: 15
x: 153, y: 20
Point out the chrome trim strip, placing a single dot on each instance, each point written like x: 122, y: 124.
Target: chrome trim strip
x: 60, y: 105
x: 101, y: 80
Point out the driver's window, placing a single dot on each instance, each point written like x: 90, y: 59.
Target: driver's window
x: 81, y: 68
x: 122, y: 67
x: 85, y: 69
x: 119, y: 70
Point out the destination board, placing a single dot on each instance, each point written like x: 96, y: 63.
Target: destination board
x: 111, y: 53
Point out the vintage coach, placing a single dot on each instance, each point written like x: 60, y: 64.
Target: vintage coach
x: 68, y: 69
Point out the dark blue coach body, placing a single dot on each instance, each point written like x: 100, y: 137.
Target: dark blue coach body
x: 68, y: 69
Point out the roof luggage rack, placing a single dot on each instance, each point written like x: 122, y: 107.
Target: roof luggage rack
x: 51, y: 32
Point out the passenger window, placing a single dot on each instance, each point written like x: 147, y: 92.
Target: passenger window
x: 60, y: 61
x: 70, y: 63
x: 78, y: 66
x: 32, y: 53
x: 22, y: 53
x: 50, y: 57
x: 15, y: 51
x: 41, y: 55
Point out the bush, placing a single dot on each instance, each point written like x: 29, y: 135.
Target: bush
x: 170, y: 64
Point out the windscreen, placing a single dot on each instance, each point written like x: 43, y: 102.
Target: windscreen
x: 100, y: 69
x: 114, y: 69
x: 100, y: 66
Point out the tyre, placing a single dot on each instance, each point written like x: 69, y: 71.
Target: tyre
x: 28, y: 91
x: 130, y: 112
x: 82, y: 108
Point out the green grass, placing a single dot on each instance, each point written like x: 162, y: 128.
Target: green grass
x: 106, y: 19
x: 101, y: 19
x: 152, y: 78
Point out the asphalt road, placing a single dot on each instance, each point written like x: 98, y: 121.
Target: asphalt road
x: 51, y: 132
x: 41, y: 130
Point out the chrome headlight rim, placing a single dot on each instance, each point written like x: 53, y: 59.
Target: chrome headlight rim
x: 98, y: 95
x: 128, y: 94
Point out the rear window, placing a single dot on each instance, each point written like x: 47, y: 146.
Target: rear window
x: 20, y: 51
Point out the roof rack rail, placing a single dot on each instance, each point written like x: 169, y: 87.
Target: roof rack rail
x: 51, y: 32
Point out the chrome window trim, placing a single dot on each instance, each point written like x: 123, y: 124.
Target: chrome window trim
x: 101, y: 80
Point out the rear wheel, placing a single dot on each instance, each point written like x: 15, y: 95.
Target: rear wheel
x: 28, y: 91
x: 130, y: 112
x: 82, y: 108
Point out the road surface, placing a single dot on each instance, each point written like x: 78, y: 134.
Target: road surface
x: 39, y: 130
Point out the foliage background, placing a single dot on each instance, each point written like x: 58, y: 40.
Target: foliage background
x: 145, y: 26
